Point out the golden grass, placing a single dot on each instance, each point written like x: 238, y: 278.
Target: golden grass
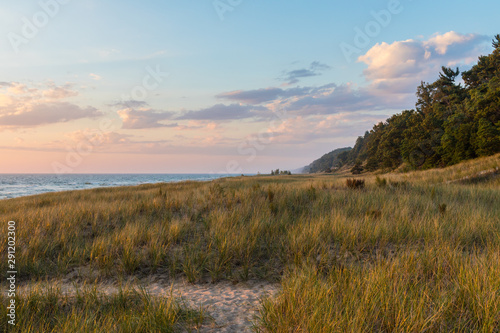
x: 50, y: 310
x: 409, y: 252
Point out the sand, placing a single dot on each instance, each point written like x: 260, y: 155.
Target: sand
x: 233, y: 307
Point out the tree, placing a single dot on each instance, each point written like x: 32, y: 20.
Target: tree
x: 487, y: 140
x: 357, y: 168
x: 456, y: 140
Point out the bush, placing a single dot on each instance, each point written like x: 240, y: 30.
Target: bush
x: 357, y: 169
x: 381, y: 182
x: 355, y: 183
x: 402, y: 184
x: 442, y: 208
x: 374, y: 213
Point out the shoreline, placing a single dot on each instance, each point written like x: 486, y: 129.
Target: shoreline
x: 85, y: 184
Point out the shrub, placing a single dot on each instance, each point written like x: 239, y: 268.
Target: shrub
x: 311, y: 193
x: 374, y: 213
x: 442, y: 208
x: 381, y: 182
x: 270, y: 195
x: 357, y: 169
x: 355, y: 183
x: 402, y: 184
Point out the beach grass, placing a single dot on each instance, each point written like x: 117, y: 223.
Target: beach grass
x: 406, y: 252
x: 91, y: 310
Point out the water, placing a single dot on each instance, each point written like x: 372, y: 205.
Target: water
x: 18, y: 185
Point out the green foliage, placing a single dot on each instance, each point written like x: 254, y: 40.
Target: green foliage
x: 487, y: 139
x: 357, y: 168
x: 282, y: 172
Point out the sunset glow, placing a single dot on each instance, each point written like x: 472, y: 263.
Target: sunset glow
x: 184, y: 86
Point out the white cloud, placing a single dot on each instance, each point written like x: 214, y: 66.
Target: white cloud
x: 95, y: 77
x: 399, y: 67
x: 441, y: 43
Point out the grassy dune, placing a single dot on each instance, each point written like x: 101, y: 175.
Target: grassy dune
x: 410, y: 252
x: 93, y: 311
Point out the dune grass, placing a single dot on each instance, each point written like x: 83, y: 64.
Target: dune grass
x: 436, y: 289
x: 50, y: 310
x: 408, y: 252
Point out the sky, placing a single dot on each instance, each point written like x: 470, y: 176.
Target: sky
x: 224, y: 86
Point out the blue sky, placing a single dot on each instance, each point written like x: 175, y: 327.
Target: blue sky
x: 241, y: 86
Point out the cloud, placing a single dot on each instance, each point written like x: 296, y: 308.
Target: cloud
x: 137, y: 115
x: 29, y: 106
x: 224, y: 112
x: 326, y: 99
x: 113, y: 142
x: 144, y: 119
x: 43, y: 92
x: 331, y: 99
x: 447, y: 43
x: 392, y: 75
x: 399, y: 67
x: 260, y: 96
x: 95, y: 77
x: 315, y: 69
x: 130, y: 104
x: 59, y: 93
x: 253, y: 96
x: 48, y: 113
x: 16, y: 88
x: 302, y: 130
x: 98, y: 138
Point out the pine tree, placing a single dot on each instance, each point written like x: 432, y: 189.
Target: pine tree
x: 487, y: 140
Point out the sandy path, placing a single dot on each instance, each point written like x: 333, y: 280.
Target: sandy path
x: 232, y: 306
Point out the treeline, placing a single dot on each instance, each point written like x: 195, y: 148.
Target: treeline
x: 451, y: 122
x: 280, y: 172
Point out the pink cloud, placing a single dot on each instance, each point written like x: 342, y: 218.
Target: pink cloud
x: 30, y: 106
x: 399, y: 67
x: 144, y: 118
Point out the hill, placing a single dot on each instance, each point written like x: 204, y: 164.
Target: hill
x: 325, y: 163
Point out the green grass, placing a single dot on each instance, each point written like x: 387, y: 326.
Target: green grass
x: 435, y: 289
x: 409, y: 252
x: 49, y: 310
